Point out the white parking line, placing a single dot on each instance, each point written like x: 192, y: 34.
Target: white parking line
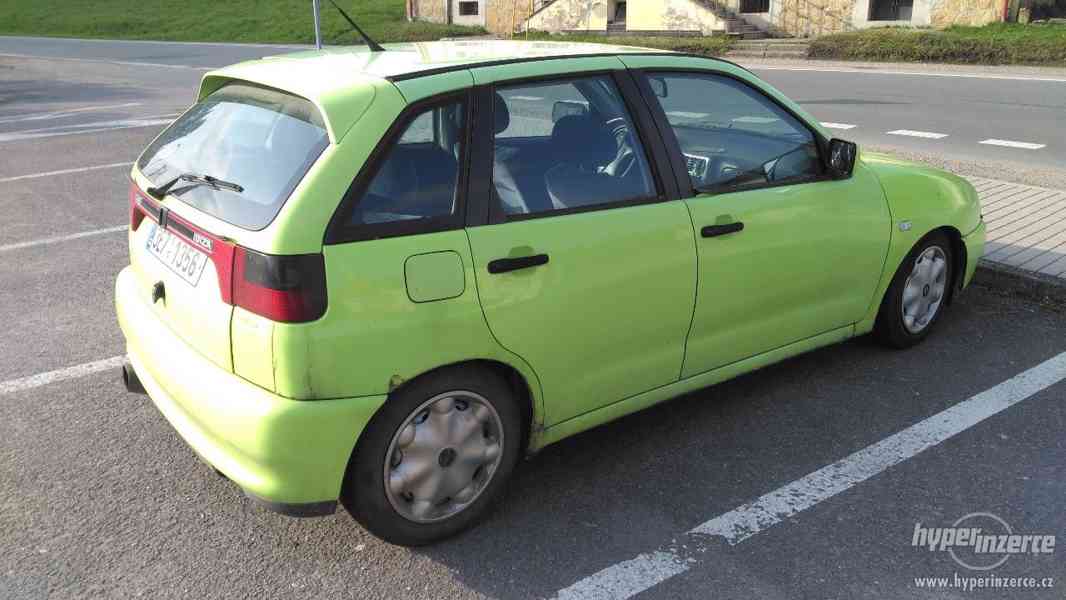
x: 62, y: 113
x: 880, y: 71
x: 918, y: 134
x: 33, y: 381
x: 62, y: 238
x: 1010, y: 144
x: 838, y: 125
x: 95, y: 127
x: 743, y: 522
x: 527, y: 98
x: 63, y: 172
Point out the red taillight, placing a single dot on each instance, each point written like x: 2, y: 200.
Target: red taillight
x: 288, y: 289
x: 136, y: 210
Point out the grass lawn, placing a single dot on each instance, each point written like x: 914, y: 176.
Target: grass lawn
x: 998, y: 43
x: 282, y: 21
x: 709, y: 46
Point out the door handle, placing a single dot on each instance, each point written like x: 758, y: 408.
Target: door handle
x: 503, y: 265
x: 716, y: 230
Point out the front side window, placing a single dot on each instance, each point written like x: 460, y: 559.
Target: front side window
x: 419, y: 176
x: 566, y: 145
x: 261, y: 139
x: 732, y: 136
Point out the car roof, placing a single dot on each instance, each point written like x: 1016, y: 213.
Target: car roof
x: 411, y: 59
x: 340, y: 80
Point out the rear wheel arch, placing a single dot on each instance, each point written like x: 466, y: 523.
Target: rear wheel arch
x: 517, y: 382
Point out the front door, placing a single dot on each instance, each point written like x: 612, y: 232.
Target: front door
x: 585, y: 271
x: 784, y: 253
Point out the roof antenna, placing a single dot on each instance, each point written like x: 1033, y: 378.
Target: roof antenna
x: 374, y: 46
x: 318, y: 25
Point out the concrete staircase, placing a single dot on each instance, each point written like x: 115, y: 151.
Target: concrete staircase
x: 735, y: 25
x: 769, y: 48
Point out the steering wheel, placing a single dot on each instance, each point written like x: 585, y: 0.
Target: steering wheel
x: 626, y: 158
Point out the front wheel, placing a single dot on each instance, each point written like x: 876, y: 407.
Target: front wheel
x: 432, y: 461
x: 917, y: 295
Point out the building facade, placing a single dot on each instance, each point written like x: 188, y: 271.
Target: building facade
x: 706, y: 17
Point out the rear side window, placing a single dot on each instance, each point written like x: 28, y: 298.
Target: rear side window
x: 417, y: 179
x: 261, y: 139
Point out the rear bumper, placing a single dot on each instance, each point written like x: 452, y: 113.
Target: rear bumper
x: 975, y: 248
x: 289, y: 455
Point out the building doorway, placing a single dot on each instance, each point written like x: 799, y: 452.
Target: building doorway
x: 891, y: 10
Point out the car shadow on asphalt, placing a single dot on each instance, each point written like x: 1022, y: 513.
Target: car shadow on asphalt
x: 634, y: 485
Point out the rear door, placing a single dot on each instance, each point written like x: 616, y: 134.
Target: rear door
x: 586, y: 268
x: 258, y: 141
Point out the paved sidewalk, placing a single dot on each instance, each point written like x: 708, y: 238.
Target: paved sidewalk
x: 1026, y: 226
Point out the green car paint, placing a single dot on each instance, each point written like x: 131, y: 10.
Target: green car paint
x: 641, y: 307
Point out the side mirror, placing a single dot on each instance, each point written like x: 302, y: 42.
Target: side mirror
x: 659, y: 87
x: 565, y: 108
x: 841, y: 159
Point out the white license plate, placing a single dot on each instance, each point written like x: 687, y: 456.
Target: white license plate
x: 178, y: 255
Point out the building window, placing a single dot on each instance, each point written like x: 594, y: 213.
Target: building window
x: 891, y: 10
x: 754, y: 6
x: 468, y: 8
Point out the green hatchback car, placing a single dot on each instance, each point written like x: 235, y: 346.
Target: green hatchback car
x: 382, y: 277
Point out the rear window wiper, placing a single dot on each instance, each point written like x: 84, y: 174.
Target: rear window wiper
x: 161, y: 191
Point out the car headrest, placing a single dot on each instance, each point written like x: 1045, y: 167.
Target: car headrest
x: 501, y: 115
x: 584, y: 139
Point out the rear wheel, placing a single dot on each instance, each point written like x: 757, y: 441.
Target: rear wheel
x: 917, y: 295
x: 432, y: 461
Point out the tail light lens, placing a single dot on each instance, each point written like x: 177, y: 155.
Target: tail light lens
x: 137, y: 211
x: 288, y: 289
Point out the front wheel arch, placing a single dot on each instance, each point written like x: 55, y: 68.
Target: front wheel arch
x: 958, y: 256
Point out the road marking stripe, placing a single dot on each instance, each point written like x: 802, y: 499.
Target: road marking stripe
x: 34, y: 381
x: 919, y: 134
x: 829, y: 125
x: 62, y: 113
x: 527, y: 98
x: 125, y: 63
x: 62, y: 238
x: 627, y: 578
x: 96, y: 127
x: 743, y: 522
x: 686, y: 115
x: 872, y: 71
x: 63, y: 172
x: 1010, y: 144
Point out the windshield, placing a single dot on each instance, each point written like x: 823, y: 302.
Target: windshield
x: 262, y: 139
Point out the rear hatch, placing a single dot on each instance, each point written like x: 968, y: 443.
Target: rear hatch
x: 227, y: 165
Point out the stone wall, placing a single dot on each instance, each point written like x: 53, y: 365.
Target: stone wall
x: 806, y: 18
x: 671, y: 15
x: 429, y: 10
x: 945, y: 13
x: 498, y: 15
x: 571, y: 15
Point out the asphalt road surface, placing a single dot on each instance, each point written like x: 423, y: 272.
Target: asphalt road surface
x: 998, y: 115
x: 807, y: 479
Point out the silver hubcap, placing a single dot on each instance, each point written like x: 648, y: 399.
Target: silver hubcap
x: 924, y: 290
x: 443, y: 456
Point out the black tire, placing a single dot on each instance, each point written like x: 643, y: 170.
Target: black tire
x: 889, y: 329
x: 364, y: 492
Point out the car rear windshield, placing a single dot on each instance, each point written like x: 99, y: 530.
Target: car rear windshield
x: 261, y: 139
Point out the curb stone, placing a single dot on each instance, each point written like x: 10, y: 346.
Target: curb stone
x: 1023, y: 283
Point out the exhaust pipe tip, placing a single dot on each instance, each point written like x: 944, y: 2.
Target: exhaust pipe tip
x: 130, y: 379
